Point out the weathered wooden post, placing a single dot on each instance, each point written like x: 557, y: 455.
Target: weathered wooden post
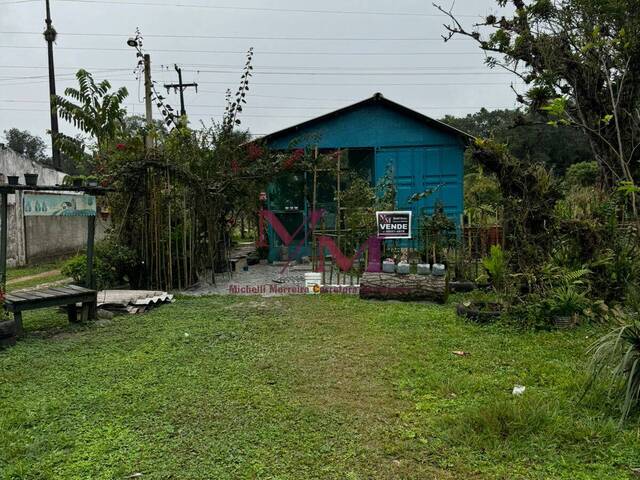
x: 3, y: 241
x: 91, y: 281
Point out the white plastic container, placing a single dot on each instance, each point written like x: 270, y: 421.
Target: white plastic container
x: 404, y: 268
x: 388, y: 267
x: 424, y: 269
x: 313, y: 282
x: 438, y: 270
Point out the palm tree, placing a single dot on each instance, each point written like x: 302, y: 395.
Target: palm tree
x: 92, y: 109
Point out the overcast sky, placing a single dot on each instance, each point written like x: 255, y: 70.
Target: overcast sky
x: 310, y: 57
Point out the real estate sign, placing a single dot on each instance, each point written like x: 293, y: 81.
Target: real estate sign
x: 394, y: 225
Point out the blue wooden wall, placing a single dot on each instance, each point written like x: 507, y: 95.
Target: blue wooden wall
x: 372, y: 125
x: 421, y: 154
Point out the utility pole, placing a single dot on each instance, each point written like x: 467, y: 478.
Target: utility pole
x: 180, y: 87
x: 50, y: 36
x: 147, y: 97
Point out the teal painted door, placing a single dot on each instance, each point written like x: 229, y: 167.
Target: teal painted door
x: 418, y: 169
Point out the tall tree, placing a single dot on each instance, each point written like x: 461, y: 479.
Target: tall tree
x: 24, y: 143
x: 581, y: 62
x: 93, y: 109
x: 528, y: 136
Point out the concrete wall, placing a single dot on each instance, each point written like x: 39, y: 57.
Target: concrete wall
x: 32, y: 239
x: 49, y: 237
x: 12, y: 163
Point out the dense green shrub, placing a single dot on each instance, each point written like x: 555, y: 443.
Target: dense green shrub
x: 114, y: 265
x: 582, y: 174
x: 437, y: 232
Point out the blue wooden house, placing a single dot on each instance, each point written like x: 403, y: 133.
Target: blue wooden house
x: 379, y: 136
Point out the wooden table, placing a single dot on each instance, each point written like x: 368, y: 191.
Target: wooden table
x: 68, y: 296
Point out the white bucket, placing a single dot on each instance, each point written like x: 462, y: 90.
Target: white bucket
x: 313, y: 282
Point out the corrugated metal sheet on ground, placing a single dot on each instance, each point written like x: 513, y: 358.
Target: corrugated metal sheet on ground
x: 132, y: 301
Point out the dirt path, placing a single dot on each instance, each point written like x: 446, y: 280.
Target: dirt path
x: 37, y: 276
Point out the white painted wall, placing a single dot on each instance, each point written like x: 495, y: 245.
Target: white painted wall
x: 12, y: 163
x: 31, y: 239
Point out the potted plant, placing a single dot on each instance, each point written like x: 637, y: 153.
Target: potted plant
x: 105, y: 211
x: 31, y: 179
x: 13, y: 179
x: 92, y: 181
x: 565, y: 304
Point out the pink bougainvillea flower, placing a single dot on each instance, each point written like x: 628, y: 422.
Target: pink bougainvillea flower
x: 254, y: 151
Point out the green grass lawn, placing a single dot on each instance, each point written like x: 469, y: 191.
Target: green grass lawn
x: 303, y: 387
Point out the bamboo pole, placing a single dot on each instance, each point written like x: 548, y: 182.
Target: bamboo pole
x: 169, y: 244
x: 338, y: 206
x: 185, y: 224
x: 314, y: 252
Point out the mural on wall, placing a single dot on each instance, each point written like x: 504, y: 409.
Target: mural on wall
x: 63, y: 205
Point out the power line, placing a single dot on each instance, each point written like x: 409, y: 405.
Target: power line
x: 258, y: 9
x: 241, y: 37
x: 372, y: 74
x: 258, y: 51
x: 278, y: 84
x: 269, y: 115
x: 272, y: 52
x: 39, y: 67
x: 250, y: 106
x: 64, y: 76
x: 332, y: 74
x: 237, y: 68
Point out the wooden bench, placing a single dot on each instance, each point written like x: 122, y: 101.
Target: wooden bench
x: 68, y: 296
x: 238, y: 263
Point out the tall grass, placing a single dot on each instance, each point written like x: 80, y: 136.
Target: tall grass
x: 615, y: 358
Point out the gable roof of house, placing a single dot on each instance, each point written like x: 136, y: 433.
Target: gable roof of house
x: 376, y: 99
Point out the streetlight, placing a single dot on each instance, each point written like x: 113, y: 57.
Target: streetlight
x: 135, y: 43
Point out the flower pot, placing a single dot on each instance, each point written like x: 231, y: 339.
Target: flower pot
x: 92, y: 183
x: 13, y: 180
x: 78, y: 182
x: 480, y: 312
x: 564, y: 321
x: 31, y: 179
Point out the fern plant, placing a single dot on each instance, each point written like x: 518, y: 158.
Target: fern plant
x: 566, y: 301
x: 616, y: 358
x: 496, y: 265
